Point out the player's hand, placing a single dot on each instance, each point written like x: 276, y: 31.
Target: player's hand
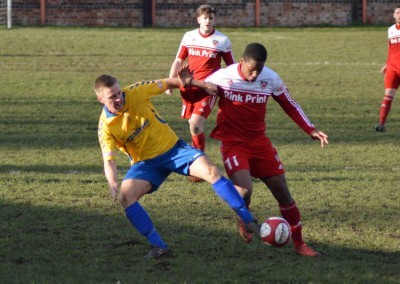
x: 169, y: 92
x: 383, y: 69
x: 321, y: 136
x: 114, y: 192
x: 185, y: 76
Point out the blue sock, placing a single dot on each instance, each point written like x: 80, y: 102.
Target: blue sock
x: 228, y: 193
x: 142, y: 222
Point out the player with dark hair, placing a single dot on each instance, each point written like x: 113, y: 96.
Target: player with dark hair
x: 203, y: 48
x: 391, y: 70
x: 129, y: 122
x: 247, y: 152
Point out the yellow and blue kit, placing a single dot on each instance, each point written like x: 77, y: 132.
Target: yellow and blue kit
x: 138, y: 131
x: 155, y: 151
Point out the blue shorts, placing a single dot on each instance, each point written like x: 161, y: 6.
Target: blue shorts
x: 178, y: 160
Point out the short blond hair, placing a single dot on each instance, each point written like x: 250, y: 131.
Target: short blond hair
x: 104, y: 81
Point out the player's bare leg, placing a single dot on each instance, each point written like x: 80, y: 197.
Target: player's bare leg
x: 196, y: 126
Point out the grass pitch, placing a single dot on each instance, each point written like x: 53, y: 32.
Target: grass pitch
x: 59, y: 225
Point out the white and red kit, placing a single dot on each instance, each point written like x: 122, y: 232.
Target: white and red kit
x: 241, y: 119
x: 392, y: 77
x: 203, y: 54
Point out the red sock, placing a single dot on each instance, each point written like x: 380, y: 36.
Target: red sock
x: 291, y: 213
x: 385, y: 108
x: 199, y: 141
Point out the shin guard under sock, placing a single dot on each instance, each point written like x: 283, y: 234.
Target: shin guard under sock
x: 142, y: 222
x: 227, y: 192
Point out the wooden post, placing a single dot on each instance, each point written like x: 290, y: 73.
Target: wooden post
x: 153, y: 12
x: 364, y: 11
x: 42, y: 12
x: 257, y: 13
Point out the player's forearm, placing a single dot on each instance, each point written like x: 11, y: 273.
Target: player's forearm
x: 299, y: 117
x: 294, y: 111
x: 110, y: 171
x: 210, y: 88
x: 200, y: 84
x: 172, y: 83
x: 176, y: 65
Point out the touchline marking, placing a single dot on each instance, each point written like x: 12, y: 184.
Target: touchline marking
x: 328, y: 63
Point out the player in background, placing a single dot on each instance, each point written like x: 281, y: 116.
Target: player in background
x: 244, y: 89
x: 129, y: 122
x: 203, y: 49
x: 391, y: 70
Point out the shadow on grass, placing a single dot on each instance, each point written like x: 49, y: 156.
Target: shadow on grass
x: 74, y: 245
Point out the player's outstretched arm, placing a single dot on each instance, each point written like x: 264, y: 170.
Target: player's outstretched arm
x: 185, y: 77
x: 321, y: 136
x: 110, y: 170
x: 176, y: 65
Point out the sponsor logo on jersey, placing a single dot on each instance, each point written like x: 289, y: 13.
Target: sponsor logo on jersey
x: 245, y: 98
x: 202, y: 53
x: 394, y: 40
x: 138, y: 131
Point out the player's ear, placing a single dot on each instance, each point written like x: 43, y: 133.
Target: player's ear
x: 99, y: 98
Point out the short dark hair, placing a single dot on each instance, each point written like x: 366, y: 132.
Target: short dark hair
x: 255, y: 51
x: 206, y: 9
x: 104, y: 81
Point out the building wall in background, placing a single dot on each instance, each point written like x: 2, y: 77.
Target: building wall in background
x: 181, y: 13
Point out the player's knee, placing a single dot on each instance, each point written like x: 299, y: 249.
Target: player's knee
x: 127, y: 198
x: 195, y: 130
x: 214, y: 173
x: 196, y: 127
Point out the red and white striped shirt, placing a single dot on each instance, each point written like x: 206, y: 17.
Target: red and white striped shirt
x: 204, y: 52
x: 393, y: 59
x: 242, y: 104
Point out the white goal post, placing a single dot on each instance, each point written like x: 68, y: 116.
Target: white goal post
x: 6, y: 13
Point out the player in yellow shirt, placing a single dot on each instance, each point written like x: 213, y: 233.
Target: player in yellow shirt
x: 130, y: 123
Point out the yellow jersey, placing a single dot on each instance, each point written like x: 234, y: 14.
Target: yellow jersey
x: 138, y: 131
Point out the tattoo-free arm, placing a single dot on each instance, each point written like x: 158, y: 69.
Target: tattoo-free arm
x: 110, y: 171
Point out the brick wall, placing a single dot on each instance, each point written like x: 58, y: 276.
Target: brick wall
x: 79, y: 13
x: 181, y: 13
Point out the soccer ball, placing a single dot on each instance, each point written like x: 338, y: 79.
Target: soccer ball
x: 275, y: 231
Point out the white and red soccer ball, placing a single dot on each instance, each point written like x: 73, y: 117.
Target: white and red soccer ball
x: 275, y: 231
